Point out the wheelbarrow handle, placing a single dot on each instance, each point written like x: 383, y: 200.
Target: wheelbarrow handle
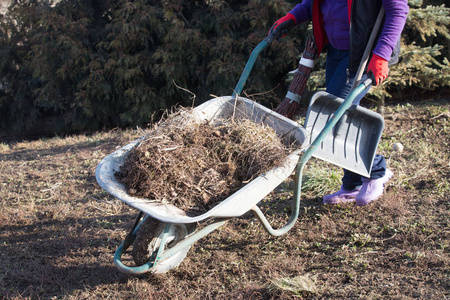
x: 304, y: 159
x: 251, y: 61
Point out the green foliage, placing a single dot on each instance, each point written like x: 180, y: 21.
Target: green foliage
x: 16, y: 106
x: 424, y: 64
x: 88, y: 65
x: 420, y: 68
x: 429, y: 22
x: 95, y: 64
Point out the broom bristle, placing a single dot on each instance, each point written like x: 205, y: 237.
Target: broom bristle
x: 288, y: 107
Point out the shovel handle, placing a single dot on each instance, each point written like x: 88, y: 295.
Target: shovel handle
x: 369, y: 47
x: 363, y: 63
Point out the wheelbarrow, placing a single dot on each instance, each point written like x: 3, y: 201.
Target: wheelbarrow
x: 163, y: 234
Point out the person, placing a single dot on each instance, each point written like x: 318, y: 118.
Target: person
x: 343, y: 27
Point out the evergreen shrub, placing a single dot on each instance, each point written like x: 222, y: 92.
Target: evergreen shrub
x: 79, y: 65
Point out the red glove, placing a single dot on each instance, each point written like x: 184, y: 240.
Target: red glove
x: 379, y: 68
x: 284, y: 24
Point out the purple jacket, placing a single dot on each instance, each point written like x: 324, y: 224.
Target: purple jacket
x: 336, y: 22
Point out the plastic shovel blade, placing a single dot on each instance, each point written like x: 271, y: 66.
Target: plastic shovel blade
x: 352, y: 145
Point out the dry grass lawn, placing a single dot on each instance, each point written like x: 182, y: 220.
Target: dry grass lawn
x: 59, y: 230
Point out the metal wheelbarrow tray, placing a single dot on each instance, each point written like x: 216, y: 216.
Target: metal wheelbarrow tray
x: 163, y: 238
x: 238, y: 203
x: 172, y: 231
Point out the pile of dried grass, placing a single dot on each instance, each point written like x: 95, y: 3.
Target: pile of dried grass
x: 194, y: 165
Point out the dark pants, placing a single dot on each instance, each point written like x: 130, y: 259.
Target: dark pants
x: 339, y: 83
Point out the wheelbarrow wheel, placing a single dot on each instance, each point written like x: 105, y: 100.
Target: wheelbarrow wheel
x: 148, y: 240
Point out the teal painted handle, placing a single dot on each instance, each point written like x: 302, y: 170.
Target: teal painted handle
x: 304, y: 159
x: 251, y: 61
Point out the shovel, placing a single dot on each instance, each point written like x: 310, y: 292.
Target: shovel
x: 356, y: 134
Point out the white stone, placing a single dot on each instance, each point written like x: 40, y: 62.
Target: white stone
x: 397, y: 147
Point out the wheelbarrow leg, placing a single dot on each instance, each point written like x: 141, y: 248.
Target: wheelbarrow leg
x: 132, y: 234
x: 295, y: 205
x: 163, y: 253
x: 163, y: 244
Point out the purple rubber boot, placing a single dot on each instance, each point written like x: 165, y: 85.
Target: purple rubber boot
x: 372, y: 189
x: 341, y: 196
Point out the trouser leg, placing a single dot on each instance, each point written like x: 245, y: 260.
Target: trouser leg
x: 352, y: 181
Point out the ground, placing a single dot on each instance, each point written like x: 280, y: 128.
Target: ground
x: 59, y: 229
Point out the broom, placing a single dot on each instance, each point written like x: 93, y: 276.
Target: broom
x: 288, y: 107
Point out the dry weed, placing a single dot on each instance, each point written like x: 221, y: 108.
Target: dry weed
x: 195, y: 165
